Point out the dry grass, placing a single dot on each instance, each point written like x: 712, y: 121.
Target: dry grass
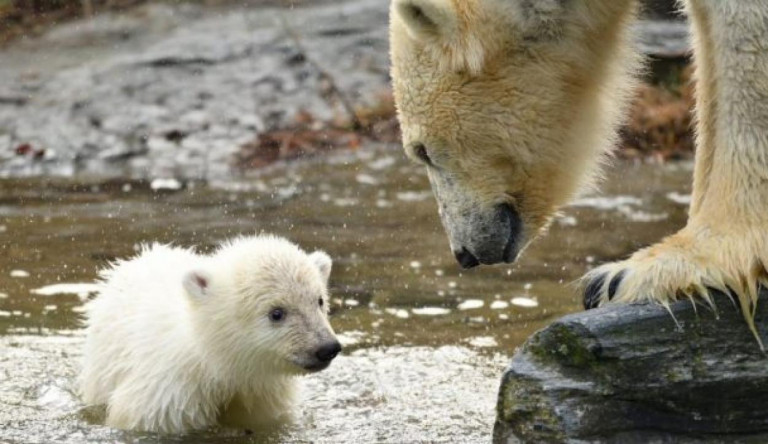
x: 20, y: 18
x: 309, y: 137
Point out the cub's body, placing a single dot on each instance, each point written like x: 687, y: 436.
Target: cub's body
x: 178, y: 341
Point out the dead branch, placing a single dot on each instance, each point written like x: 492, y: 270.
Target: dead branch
x: 324, y: 74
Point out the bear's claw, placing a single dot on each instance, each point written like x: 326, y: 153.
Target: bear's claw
x: 594, y: 289
x: 592, y: 292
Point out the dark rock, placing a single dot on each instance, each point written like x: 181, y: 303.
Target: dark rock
x: 633, y: 373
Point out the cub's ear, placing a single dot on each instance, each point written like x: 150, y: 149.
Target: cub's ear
x: 197, y: 283
x: 426, y: 19
x: 323, y: 263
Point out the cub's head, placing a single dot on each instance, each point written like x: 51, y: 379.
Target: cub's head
x: 509, y: 104
x: 261, y: 304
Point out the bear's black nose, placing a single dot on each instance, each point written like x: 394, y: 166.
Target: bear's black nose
x: 327, y: 352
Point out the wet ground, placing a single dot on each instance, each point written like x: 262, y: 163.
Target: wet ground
x: 425, y: 342
x: 174, y: 90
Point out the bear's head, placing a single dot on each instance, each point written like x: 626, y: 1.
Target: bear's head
x: 260, y: 305
x: 509, y: 104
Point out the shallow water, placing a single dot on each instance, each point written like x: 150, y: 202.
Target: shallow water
x: 425, y: 342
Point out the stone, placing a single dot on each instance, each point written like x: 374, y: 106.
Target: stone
x: 640, y: 373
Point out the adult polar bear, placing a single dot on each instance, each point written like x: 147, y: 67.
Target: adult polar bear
x: 512, y: 104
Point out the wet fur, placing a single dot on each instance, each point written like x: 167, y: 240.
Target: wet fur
x: 166, y: 360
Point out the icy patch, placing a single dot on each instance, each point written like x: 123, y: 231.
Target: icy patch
x: 345, y: 202
x: 642, y: 216
x: 482, y: 341
x: 382, y: 163
x: 567, y: 221
x: 524, y: 302
x: 622, y: 204
x: 471, y: 304
x: 55, y: 398
x: 3, y: 295
x: 606, y: 202
x: 499, y: 305
x: 415, y: 264
x: 366, y: 179
x: 414, y: 196
x: 168, y: 184
x: 19, y: 274
x: 351, y: 302
x: 351, y: 337
x: 82, y: 290
x: 431, y: 311
x: 678, y: 198
x: 398, y: 313
x: 5, y: 314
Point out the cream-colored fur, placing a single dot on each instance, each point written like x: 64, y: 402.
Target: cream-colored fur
x: 177, y: 341
x: 517, y: 100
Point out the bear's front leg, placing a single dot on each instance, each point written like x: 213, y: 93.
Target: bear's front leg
x: 723, y: 246
x: 689, y: 264
x: 168, y: 407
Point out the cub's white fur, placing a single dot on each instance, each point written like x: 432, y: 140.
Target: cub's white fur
x: 178, y: 341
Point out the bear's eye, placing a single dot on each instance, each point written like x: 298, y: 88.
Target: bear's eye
x: 320, y: 302
x: 420, y: 151
x: 277, y: 315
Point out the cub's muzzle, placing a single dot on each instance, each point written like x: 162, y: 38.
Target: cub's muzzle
x: 323, y: 356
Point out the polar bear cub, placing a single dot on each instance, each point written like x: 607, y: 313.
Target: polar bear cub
x: 177, y: 341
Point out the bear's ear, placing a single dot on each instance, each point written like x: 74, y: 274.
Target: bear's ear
x: 426, y: 19
x: 323, y: 263
x: 197, y: 283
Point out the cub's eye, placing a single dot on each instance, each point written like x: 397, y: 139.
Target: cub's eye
x: 420, y: 151
x: 320, y: 302
x: 277, y: 315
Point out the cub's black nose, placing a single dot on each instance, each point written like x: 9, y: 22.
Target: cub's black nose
x: 327, y: 352
x: 466, y: 259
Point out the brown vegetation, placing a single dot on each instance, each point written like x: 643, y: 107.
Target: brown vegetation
x: 660, y: 122
x: 31, y: 17
x: 310, y: 137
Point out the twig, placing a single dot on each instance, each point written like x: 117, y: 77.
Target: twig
x: 324, y: 74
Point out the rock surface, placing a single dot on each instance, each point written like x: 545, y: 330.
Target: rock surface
x: 634, y: 374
